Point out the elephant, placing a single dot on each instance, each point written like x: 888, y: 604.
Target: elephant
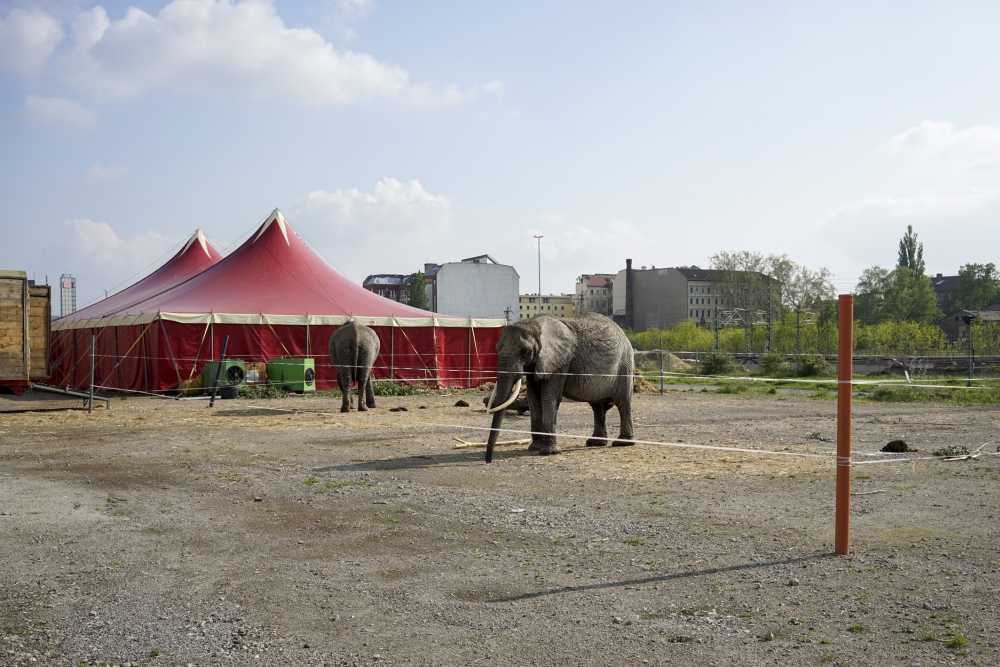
x: 586, y: 358
x: 353, y: 350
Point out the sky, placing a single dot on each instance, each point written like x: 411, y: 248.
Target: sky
x: 397, y: 133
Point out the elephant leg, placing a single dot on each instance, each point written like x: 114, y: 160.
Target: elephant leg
x: 625, y: 435
x: 550, y: 398
x: 370, y: 391
x: 600, y: 435
x: 362, y: 389
x: 344, y: 382
x: 535, y: 409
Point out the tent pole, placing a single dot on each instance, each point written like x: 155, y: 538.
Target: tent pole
x: 93, y: 369
x: 170, y: 351
x: 392, y: 350
x: 218, y: 371
x: 468, y: 356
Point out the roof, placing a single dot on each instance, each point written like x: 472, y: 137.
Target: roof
x: 597, y: 280
x: 480, y: 258
x: 714, y: 275
x: 195, y: 256
x: 945, y: 283
x: 384, y: 279
x: 275, y: 278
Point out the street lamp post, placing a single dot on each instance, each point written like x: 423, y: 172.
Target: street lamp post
x: 539, y: 237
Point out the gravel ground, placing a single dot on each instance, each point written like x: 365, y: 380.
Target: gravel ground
x: 165, y: 533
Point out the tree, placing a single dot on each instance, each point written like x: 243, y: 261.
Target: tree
x: 869, y: 299
x: 911, y: 252
x: 416, y: 291
x: 744, y: 284
x: 900, y: 294
x: 978, y: 286
x: 805, y: 289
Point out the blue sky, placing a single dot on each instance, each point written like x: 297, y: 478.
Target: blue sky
x: 392, y: 134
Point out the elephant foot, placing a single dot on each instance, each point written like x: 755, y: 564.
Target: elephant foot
x: 362, y: 408
x: 344, y: 408
x: 534, y: 446
x: 548, y: 450
x: 623, y: 441
x: 370, y: 404
x: 597, y: 441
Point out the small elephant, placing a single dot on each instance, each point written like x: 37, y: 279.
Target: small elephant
x: 586, y: 358
x: 353, y: 350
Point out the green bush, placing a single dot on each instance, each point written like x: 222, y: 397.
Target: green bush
x: 265, y: 390
x: 812, y: 365
x: 716, y: 363
x: 773, y: 364
x: 390, y: 388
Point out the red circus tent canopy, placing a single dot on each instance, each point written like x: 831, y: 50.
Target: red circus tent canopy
x: 273, y: 278
x: 196, y: 256
x: 272, y: 297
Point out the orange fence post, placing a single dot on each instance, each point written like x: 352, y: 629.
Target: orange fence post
x: 845, y: 374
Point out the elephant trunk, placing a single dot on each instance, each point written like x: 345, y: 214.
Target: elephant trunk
x: 503, y: 396
x: 492, y: 440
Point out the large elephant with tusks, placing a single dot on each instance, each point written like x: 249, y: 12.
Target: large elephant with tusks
x: 353, y: 350
x: 586, y: 358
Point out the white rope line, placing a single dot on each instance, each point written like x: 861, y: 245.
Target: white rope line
x: 749, y: 378
x: 135, y: 391
x: 682, y: 445
x: 482, y: 374
x: 846, y: 460
x: 928, y: 458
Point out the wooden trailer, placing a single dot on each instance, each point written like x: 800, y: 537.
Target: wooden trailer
x: 25, y: 318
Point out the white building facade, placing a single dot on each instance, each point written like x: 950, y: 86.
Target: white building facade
x: 475, y: 287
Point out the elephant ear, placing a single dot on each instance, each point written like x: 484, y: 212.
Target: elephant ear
x: 556, y: 346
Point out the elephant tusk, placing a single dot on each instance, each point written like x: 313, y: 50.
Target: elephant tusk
x: 513, y: 396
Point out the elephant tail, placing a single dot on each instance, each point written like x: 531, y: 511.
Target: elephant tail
x: 353, y: 356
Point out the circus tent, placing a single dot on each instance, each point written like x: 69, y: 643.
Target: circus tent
x: 273, y: 297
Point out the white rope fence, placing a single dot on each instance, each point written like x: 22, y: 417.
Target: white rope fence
x: 829, y: 456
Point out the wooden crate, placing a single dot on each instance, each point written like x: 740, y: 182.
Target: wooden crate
x: 14, y: 351
x: 39, y: 330
x: 25, y: 330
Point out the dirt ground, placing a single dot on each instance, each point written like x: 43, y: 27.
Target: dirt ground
x: 167, y: 533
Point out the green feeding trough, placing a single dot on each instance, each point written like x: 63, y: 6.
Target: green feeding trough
x: 234, y: 373
x: 292, y: 373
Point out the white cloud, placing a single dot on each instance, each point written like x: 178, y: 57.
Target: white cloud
x: 942, y: 179
x: 27, y: 39
x: 58, y: 111
x: 392, y: 229
x: 942, y: 141
x: 355, y: 9
x: 104, y: 173
x: 574, y: 246
x: 399, y: 225
x: 113, y: 260
x: 197, y: 45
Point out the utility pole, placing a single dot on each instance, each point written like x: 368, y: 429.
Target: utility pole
x: 539, y: 237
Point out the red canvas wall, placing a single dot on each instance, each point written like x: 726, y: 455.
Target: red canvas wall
x: 162, y: 356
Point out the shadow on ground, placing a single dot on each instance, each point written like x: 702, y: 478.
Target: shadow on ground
x: 660, y: 578
x: 426, y: 461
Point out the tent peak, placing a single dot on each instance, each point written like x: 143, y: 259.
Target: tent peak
x: 276, y: 217
x: 199, y: 237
